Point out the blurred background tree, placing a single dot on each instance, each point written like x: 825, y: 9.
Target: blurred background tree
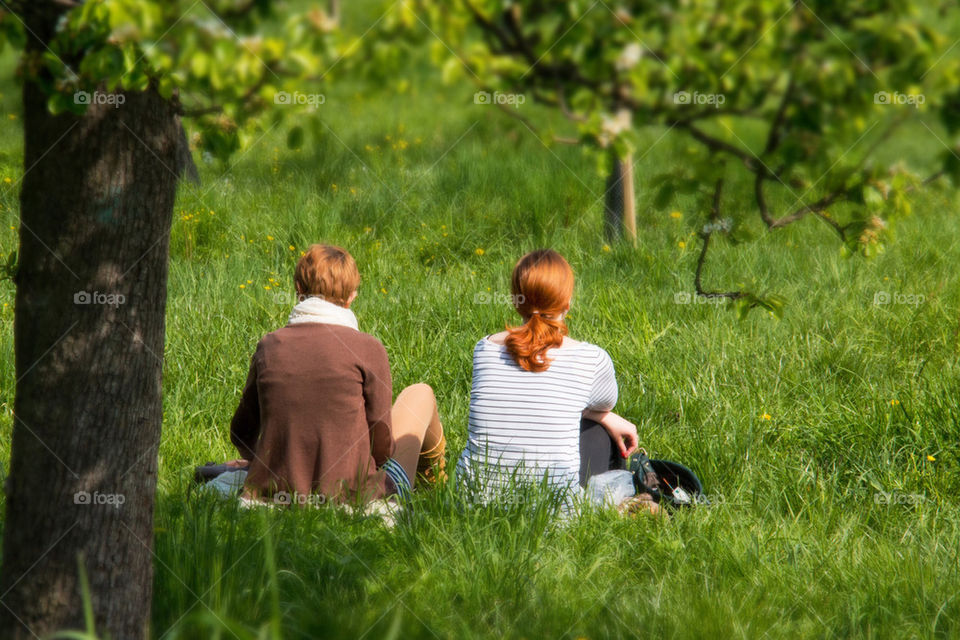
x: 797, y: 97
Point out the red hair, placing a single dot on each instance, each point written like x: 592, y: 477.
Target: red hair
x: 542, y: 286
x: 329, y: 272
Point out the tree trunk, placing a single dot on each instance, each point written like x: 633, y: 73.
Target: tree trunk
x: 95, y: 211
x: 620, y: 214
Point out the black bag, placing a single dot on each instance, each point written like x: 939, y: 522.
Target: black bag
x: 659, y: 478
x: 666, y: 481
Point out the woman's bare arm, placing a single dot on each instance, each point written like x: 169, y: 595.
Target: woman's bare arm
x: 623, y: 432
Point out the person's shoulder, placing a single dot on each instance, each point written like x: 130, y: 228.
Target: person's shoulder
x: 596, y: 351
x: 366, y: 340
x: 496, y: 338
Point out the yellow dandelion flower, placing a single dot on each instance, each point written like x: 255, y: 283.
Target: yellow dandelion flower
x: 766, y: 416
x: 480, y: 251
x: 249, y: 281
x: 267, y: 287
x: 383, y: 290
x: 606, y: 248
x: 368, y: 148
x: 682, y: 244
x: 292, y: 248
x: 676, y: 215
x: 269, y: 237
x: 7, y: 180
x: 930, y: 458
x: 243, y: 286
x: 894, y: 402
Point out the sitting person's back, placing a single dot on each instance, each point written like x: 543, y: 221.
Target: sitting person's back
x: 315, y: 422
x: 523, y: 424
x: 324, y: 392
x: 532, y: 385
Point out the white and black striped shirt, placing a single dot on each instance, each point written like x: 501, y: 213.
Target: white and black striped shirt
x: 524, y: 424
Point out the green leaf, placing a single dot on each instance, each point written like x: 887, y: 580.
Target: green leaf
x: 295, y: 138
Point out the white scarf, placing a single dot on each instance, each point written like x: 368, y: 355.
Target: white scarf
x: 315, y: 309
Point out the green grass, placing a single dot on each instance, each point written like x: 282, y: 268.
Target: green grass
x: 795, y: 543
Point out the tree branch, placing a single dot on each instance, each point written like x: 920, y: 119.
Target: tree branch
x: 705, y: 236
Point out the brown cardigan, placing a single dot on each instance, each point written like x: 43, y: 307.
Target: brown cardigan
x: 315, y: 414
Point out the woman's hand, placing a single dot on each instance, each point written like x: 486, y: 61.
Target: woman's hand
x: 623, y: 432
x: 238, y: 464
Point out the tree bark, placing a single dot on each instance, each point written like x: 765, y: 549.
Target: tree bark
x: 620, y: 214
x: 95, y: 210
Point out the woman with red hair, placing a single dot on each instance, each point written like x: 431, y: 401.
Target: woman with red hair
x: 532, y: 386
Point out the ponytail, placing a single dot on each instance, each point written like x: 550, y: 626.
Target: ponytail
x: 529, y: 342
x: 542, y: 285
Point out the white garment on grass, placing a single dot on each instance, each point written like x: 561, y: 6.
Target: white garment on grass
x: 228, y: 484
x: 524, y: 426
x: 315, y: 309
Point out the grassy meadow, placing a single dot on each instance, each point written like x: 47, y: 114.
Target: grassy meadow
x: 827, y: 441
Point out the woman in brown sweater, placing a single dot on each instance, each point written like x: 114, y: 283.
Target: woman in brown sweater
x: 315, y: 422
